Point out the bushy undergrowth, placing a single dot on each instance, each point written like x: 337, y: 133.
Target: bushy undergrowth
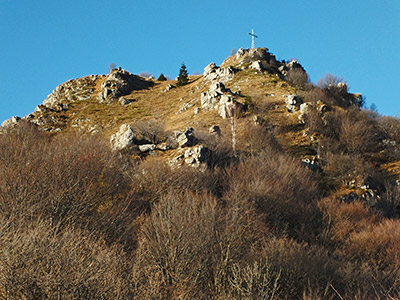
x: 78, y: 221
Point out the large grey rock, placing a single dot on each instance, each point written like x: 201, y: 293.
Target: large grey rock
x: 246, y: 56
x: 124, y: 101
x: 124, y: 138
x: 163, y: 147
x: 169, y: 87
x: 213, y: 72
x: 217, y: 87
x: 257, y: 65
x: 120, y: 82
x: 311, y: 163
x: 305, y: 109
x: 221, y: 99
x: 356, y: 99
x: 185, y: 138
x: 209, y: 68
x: 291, y: 65
x: 293, y: 102
x: 294, y: 64
x: 196, y: 156
x: 147, y: 147
x: 228, y: 107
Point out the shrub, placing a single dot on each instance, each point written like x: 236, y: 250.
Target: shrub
x: 150, y: 131
x: 388, y: 203
x: 40, y: 261
x: 374, y: 251
x: 254, y: 281
x: 313, y: 94
x: 359, y: 132
x: 298, y: 78
x: 390, y: 127
x: 221, y: 152
x: 282, y: 190
x: 302, y: 268
x: 342, y: 219
x: 189, y: 244
x: 56, y: 179
x: 352, y: 131
x: 257, y: 139
x: 340, y: 169
x: 176, y: 245
x: 154, y: 178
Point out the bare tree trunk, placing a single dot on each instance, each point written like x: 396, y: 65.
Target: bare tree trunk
x: 233, y: 129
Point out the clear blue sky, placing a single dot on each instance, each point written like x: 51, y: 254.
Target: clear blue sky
x: 46, y: 42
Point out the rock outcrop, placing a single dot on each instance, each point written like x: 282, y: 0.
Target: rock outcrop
x: 305, y: 109
x: 10, y: 123
x: 221, y: 99
x: 248, y: 56
x: 291, y: 65
x: 214, y: 73
x: 196, y: 156
x: 293, y: 102
x: 120, y: 82
x: 185, y: 138
x: 147, y: 147
x: 124, y: 138
x: 73, y: 90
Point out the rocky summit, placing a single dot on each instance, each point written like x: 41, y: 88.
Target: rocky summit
x: 249, y: 88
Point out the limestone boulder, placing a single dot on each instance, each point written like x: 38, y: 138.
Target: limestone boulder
x: 120, y: 82
x: 196, y: 156
x: 123, y: 139
x: 228, y: 107
x: 305, y: 109
x: 214, y: 73
x: 293, y: 102
x: 185, y: 138
x: 257, y: 65
x: 248, y: 56
x: 169, y: 87
x: 147, y: 147
x: 209, y: 69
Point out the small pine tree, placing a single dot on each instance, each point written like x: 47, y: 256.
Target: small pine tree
x: 162, y: 77
x: 183, y: 76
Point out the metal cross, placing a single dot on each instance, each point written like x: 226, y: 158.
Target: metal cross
x: 252, y: 38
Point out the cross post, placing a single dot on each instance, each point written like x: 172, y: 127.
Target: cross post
x: 252, y: 38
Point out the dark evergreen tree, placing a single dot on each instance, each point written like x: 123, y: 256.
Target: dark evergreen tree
x: 183, y: 76
x: 162, y: 77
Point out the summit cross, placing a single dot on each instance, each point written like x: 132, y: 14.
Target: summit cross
x: 252, y: 38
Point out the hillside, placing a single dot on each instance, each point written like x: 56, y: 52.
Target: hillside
x: 249, y: 182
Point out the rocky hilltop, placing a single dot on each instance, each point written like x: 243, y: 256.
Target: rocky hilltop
x: 250, y: 88
x: 248, y: 182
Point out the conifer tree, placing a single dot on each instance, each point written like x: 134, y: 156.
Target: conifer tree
x: 183, y: 76
x: 162, y: 77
